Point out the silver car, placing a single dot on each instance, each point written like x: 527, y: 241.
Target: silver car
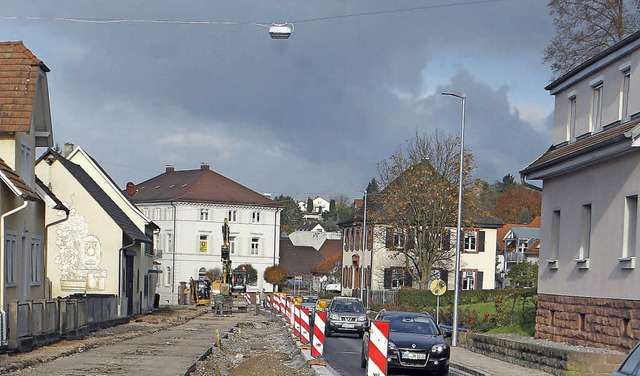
x: 346, y: 315
x: 631, y: 364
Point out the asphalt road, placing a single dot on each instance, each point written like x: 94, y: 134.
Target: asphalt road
x: 342, y: 352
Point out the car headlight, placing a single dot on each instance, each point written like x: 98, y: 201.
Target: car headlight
x: 438, y: 349
x: 362, y: 318
x: 334, y: 316
x: 392, y: 346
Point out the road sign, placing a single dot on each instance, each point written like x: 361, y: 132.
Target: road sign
x: 438, y: 287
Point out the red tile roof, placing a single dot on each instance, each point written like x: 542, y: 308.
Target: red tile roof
x: 202, y: 185
x: 18, y: 186
x: 19, y: 70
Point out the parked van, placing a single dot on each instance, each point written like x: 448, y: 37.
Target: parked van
x: 333, y: 287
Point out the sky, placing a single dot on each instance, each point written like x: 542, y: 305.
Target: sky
x: 310, y: 115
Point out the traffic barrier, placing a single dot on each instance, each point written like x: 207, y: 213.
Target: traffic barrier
x: 319, y: 323
x: 304, y: 326
x: 296, y: 321
x: 267, y: 303
x: 378, y: 345
x: 292, y: 317
x: 247, y: 298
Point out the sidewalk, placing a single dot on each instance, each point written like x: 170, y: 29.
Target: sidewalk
x: 479, y: 365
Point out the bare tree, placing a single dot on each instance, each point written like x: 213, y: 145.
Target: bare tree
x: 420, y: 199
x: 585, y: 28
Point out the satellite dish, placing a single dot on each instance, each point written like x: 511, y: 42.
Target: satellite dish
x: 131, y: 189
x: 438, y: 287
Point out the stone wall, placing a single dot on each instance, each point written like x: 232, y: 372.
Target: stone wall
x: 554, y: 358
x: 607, y: 323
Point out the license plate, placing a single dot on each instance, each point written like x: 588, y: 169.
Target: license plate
x: 414, y: 356
x: 350, y: 326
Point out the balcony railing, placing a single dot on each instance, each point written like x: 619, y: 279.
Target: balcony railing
x: 515, y: 257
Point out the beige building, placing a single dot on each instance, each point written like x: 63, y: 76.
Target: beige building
x: 105, y: 246
x: 588, y: 283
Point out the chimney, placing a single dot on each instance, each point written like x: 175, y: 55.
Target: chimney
x: 170, y: 168
x: 204, y: 166
x: 68, y: 148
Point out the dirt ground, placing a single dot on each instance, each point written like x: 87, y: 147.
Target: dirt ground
x: 263, y: 347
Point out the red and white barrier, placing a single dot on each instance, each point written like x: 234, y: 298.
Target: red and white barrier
x: 378, y: 345
x: 247, y: 298
x: 267, y: 302
x: 319, y: 323
x: 292, y: 316
x: 304, y: 325
x: 296, y: 321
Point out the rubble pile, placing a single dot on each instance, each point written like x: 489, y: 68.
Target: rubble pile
x: 255, y: 348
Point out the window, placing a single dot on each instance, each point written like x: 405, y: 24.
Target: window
x: 232, y: 245
x: 397, y: 278
x: 555, y: 235
x: 468, y: 280
x: 11, y: 250
x: 232, y: 215
x: 596, y: 108
x: 204, y: 243
x: 585, y: 232
x: 630, y: 226
x: 571, y: 124
x: 470, y: 241
x: 202, y: 273
x: 170, y: 242
x: 398, y: 239
x: 167, y: 275
x: 255, y: 243
x: 624, y: 93
x: 36, y: 262
x: 522, y: 245
x: 204, y: 214
x: 255, y: 217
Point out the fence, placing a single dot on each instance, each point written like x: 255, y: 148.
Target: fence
x: 41, y: 322
x: 384, y: 297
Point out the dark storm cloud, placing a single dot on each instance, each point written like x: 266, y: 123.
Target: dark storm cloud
x: 314, y: 113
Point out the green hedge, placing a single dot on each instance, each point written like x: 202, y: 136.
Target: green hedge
x: 420, y: 300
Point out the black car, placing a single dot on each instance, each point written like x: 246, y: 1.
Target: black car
x: 415, y: 342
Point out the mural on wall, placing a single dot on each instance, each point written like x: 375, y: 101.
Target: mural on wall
x: 80, y: 255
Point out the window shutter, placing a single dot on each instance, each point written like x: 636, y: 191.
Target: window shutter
x: 389, y: 238
x: 408, y: 281
x: 479, y: 281
x: 444, y: 274
x: 446, y: 240
x: 387, y: 278
x: 411, y: 241
x: 480, y: 241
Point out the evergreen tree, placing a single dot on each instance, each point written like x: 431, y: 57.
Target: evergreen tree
x: 309, y: 205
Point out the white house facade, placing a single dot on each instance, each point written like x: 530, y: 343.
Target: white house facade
x: 190, y: 207
x: 591, y: 183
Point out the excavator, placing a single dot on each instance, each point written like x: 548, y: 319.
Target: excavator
x: 201, y: 291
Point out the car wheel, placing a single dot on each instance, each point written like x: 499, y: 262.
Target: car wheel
x: 363, y: 360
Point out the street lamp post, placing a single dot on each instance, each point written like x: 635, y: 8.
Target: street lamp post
x: 454, y: 339
x: 364, y: 252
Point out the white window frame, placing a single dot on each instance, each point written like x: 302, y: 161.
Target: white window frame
x: 255, y: 217
x: 11, y: 255
x: 36, y: 261
x: 468, y: 279
x: 255, y: 246
x: 571, y: 117
x: 470, y: 243
x: 522, y: 245
x: 232, y: 245
x: 624, y: 91
x: 167, y: 280
x: 170, y: 242
x: 629, y: 236
x: 585, y: 232
x: 232, y: 215
x: 398, y: 238
x: 204, y: 214
x: 596, y: 106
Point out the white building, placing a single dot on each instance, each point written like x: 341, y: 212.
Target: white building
x: 588, y: 284
x: 190, y: 207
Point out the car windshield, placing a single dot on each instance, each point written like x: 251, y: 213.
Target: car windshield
x: 354, y: 306
x: 412, y: 324
x: 309, y: 299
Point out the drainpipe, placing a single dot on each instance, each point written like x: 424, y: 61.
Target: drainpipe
x: 173, y: 252
x: 3, y: 313
x: 46, y: 242
x: 120, y: 262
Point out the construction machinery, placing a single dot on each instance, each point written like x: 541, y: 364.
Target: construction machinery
x: 201, y: 291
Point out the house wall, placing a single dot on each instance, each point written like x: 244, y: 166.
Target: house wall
x: 26, y: 227
x: 187, y: 260
x: 604, y: 276
x: 612, y: 78
x: 484, y: 262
